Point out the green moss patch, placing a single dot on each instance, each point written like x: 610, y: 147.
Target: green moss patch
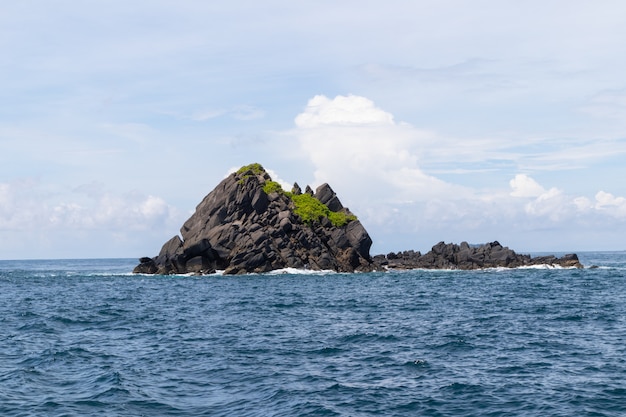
x: 256, y: 168
x: 272, y: 187
x: 307, y: 207
x: 248, y: 171
x: 311, y: 210
x: 339, y: 219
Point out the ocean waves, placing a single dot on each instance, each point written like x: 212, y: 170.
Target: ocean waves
x: 516, y: 342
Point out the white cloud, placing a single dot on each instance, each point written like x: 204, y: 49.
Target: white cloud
x: 361, y: 150
x: 32, y: 206
x: 605, y: 199
x: 122, y: 213
x: 558, y: 206
x: 551, y: 203
x: 342, y: 111
x: 524, y: 186
x: 608, y: 203
x: 286, y: 186
x: 375, y: 165
x: 42, y: 220
x: 582, y: 204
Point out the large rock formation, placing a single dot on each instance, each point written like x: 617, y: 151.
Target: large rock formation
x: 464, y: 256
x: 249, y: 224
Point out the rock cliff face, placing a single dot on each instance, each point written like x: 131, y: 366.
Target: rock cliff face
x: 249, y: 224
x: 464, y: 256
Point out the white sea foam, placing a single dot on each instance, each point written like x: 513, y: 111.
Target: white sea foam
x: 494, y: 269
x: 545, y: 266
x: 302, y: 271
x: 299, y: 271
x: 283, y: 271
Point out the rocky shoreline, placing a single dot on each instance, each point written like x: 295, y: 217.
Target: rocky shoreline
x: 249, y: 224
x: 452, y: 256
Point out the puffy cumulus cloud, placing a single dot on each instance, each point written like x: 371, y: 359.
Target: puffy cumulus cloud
x: 550, y: 203
x: 524, y: 186
x: 358, y: 148
x: 610, y: 204
x: 342, y: 111
x: 376, y: 165
x: 556, y: 205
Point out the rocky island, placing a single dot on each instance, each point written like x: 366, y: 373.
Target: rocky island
x: 248, y: 223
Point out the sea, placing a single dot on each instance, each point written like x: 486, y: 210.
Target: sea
x: 87, y: 338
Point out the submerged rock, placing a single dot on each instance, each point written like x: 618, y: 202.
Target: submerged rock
x: 452, y: 256
x: 249, y: 224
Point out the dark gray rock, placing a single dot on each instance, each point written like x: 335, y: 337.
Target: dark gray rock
x: 326, y: 195
x: 358, y: 238
x: 464, y: 256
x: 146, y: 266
x: 200, y: 265
x: 238, y: 228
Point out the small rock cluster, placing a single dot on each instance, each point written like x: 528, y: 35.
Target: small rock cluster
x: 464, y: 256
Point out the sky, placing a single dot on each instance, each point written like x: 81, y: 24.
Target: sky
x: 433, y: 120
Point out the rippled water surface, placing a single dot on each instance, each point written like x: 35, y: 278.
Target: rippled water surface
x: 86, y: 338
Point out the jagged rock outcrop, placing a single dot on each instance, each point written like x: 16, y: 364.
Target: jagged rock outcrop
x: 248, y: 224
x: 452, y: 256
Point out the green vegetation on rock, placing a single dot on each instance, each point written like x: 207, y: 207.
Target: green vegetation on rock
x: 272, y: 187
x: 307, y: 207
x: 310, y: 210
x: 339, y: 219
x: 256, y: 169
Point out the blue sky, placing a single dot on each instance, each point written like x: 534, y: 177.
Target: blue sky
x: 432, y: 120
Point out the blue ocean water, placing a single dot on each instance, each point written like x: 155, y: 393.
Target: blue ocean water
x: 85, y: 337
